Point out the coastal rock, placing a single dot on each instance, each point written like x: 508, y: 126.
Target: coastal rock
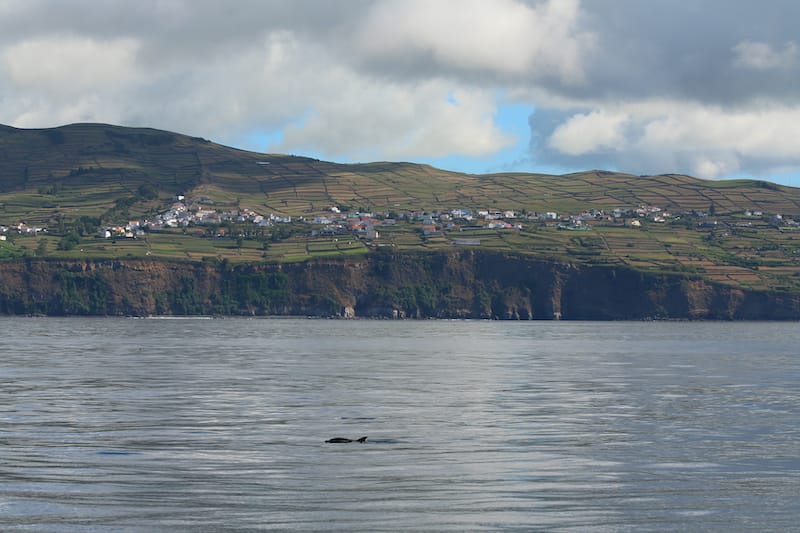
x: 453, y: 284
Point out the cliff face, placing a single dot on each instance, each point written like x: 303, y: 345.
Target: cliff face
x: 458, y: 284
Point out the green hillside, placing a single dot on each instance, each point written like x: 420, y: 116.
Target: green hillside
x: 87, y: 167
x: 74, y: 180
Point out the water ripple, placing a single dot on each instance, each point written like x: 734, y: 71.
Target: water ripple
x: 205, y: 425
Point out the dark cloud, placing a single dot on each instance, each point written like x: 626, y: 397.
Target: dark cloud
x: 685, y: 50
x: 175, y: 27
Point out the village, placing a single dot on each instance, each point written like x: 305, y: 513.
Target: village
x: 181, y: 215
x: 367, y: 225
x: 184, y: 213
x: 20, y: 228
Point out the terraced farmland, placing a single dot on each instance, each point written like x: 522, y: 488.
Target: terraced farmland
x: 53, y: 178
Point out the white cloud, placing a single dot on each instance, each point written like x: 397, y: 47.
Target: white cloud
x: 330, y: 109
x: 707, y: 166
x: 398, y: 122
x: 507, y: 37
x: 762, y: 56
x: 706, y: 141
x: 771, y: 132
x: 63, y: 79
x: 35, y: 111
x: 71, y: 64
x: 586, y: 133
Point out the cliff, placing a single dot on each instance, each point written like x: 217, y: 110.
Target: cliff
x: 463, y: 284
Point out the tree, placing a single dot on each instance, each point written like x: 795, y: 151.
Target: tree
x: 147, y: 191
x: 41, y: 249
x: 69, y: 241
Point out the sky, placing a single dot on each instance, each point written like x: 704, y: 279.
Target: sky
x: 709, y: 88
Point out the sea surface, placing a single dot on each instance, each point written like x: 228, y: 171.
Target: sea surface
x: 118, y: 424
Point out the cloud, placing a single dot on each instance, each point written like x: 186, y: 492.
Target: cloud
x: 587, y: 133
x: 671, y: 136
x: 72, y: 65
x: 707, y: 87
x: 63, y: 79
x: 703, y: 88
x: 399, y: 122
x: 199, y: 68
x: 762, y: 56
x: 506, y: 38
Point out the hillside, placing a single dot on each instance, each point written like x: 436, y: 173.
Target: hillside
x: 94, y: 192
x: 88, y: 167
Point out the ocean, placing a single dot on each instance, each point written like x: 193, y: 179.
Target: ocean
x: 190, y: 424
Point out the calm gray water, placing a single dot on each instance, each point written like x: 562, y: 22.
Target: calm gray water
x: 219, y: 425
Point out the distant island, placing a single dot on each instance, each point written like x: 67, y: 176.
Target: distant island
x: 105, y: 220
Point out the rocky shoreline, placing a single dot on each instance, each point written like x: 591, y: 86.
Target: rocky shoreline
x: 457, y: 284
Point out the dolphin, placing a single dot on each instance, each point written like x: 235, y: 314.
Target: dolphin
x: 337, y: 440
